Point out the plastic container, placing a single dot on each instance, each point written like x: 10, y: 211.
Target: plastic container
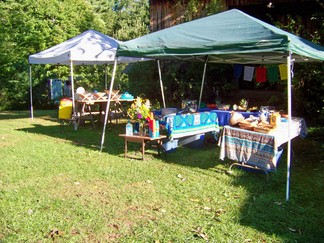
x: 168, y: 111
x: 126, y: 96
x: 190, y: 105
x: 275, y: 118
x: 65, y: 109
x: 199, y: 143
x: 129, y: 129
x: 170, y: 146
x: 154, y: 129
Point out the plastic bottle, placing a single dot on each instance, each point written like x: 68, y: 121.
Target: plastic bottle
x: 129, y: 129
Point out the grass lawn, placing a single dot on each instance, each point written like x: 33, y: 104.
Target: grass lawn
x: 58, y: 186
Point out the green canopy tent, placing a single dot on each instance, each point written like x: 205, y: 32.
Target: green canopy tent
x: 228, y: 37
x: 231, y: 37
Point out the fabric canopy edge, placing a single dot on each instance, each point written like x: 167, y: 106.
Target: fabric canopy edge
x: 88, y: 48
x: 272, y: 40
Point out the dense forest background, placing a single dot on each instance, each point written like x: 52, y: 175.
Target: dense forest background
x: 30, y: 26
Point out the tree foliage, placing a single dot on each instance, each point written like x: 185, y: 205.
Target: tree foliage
x: 29, y: 26
x: 308, y: 80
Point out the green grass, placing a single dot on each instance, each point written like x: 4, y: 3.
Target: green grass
x: 58, y: 186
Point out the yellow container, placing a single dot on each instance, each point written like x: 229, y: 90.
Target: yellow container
x: 275, y: 119
x: 65, y: 109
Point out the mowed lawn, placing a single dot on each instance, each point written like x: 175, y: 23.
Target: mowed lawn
x: 58, y: 187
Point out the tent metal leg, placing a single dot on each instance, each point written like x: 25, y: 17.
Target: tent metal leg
x: 289, y: 61
x: 203, y: 81
x: 161, y: 83
x: 108, y: 105
x: 31, y: 93
x: 72, y: 86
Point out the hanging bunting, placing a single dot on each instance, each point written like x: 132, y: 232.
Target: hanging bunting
x: 272, y: 73
x: 260, y: 74
x: 248, y: 73
x: 238, y: 70
x: 283, y: 71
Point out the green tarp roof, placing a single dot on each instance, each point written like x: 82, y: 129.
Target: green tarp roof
x: 228, y: 37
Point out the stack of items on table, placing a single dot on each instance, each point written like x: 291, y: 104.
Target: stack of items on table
x: 83, y: 95
x: 154, y: 126
x: 267, y: 122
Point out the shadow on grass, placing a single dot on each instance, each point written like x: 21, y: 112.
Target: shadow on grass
x: 203, y: 157
x: 90, y: 138
x: 84, y: 136
x: 8, y: 115
x: 267, y: 210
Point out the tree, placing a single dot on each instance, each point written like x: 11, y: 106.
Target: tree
x: 28, y: 27
x: 308, y: 81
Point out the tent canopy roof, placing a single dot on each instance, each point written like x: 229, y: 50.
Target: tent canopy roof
x: 90, y: 47
x: 228, y: 37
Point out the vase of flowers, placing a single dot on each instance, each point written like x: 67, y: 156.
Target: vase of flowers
x: 139, y: 112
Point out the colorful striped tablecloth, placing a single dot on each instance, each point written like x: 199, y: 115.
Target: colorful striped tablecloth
x: 258, y: 149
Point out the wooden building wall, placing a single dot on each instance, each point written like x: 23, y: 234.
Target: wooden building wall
x: 167, y: 13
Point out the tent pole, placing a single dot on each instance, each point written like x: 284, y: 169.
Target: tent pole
x: 72, y: 87
x: 203, y: 81
x: 106, y: 76
x: 289, y: 124
x: 161, y: 83
x: 31, y: 93
x: 108, y: 105
x: 74, y: 115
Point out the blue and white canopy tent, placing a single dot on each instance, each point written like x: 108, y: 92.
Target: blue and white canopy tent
x: 89, y: 48
x: 231, y: 37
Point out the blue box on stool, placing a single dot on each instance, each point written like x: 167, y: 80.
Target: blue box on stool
x: 197, y: 143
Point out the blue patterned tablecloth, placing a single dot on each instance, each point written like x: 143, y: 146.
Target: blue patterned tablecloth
x: 189, y: 124
x: 258, y: 149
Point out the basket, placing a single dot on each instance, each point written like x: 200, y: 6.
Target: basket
x: 264, y: 128
x: 248, y: 124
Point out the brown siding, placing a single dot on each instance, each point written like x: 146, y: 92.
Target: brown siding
x: 167, y: 13
x: 164, y: 13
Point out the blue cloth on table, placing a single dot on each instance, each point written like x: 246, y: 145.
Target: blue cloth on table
x: 189, y: 124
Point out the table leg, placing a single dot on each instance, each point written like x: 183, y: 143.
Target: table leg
x: 143, y: 149
x: 125, y: 147
x: 249, y: 166
x: 159, y: 144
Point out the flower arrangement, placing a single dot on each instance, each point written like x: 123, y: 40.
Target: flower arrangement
x: 139, y: 110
